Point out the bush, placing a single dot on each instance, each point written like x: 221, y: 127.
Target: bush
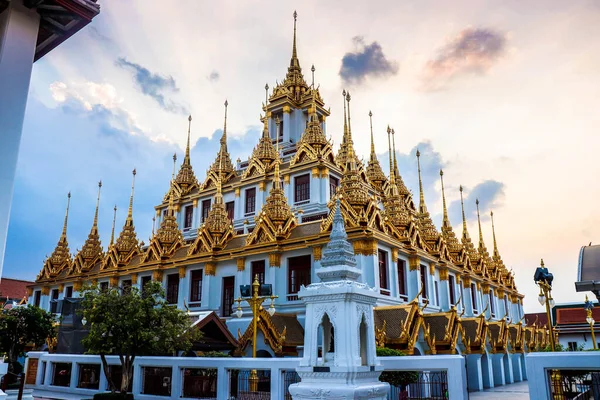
x: 212, y: 353
x: 113, y: 396
x: 396, y: 378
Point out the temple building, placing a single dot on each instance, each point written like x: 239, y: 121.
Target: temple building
x: 439, y: 291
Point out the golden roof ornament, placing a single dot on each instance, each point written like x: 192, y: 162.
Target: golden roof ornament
x: 426, y: 226
x: 496, y: 258
x: 276, y: 220
x: 483, y: 252
x: 127, y: 240
x: 448, y: 234
x: 265, y: 151
x: 340, y: 158
x: 395, y: 209
x: 168, y: 237
x: 222, y: 164
x: 61, y: 256
x: 374, y: 171
x: 466, y: 239
x: 112, y: 232
x: 91, y: 250
x: 186, y: 180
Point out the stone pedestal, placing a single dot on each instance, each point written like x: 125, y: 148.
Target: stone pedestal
x: 339, y: 360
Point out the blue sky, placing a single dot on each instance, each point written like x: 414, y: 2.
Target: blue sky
x: 502, y: 95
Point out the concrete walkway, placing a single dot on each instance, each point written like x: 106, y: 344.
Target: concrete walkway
x: 515, y: 391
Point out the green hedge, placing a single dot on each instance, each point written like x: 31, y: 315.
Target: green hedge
x: 396, y: 378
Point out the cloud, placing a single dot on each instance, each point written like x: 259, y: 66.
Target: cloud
x: 214, y: 76
x: 472, y: 51
x: 97, y: 35
x: 71, y: 147
x: 366, y: 61
x: 154, y: 85
x: 490, y: 194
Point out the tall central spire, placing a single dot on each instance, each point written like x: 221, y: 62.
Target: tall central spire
x: 294, y: 62
x: 185, y: 177
x: 422, y: 206
x: 222, y: 164
x: 426, y: 226
x: 374, y: 171
x: 92, y: 247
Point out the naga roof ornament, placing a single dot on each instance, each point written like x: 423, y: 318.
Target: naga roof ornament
x: 222, y: 164
x: 452, y: 243
x: 276, y: 220
x: 186, y: 180
x: 374, y: 171
x: 91, y: 251
x: 61, y: 256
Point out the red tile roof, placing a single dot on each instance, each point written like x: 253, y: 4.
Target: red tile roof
x: 14, y: 289
x: 575, y: 315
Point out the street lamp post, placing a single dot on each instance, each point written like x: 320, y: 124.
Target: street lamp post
x: 255, y: 295
x: 543, y: 279
x: 589, y: 306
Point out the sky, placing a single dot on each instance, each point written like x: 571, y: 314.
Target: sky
x: 501, y: 94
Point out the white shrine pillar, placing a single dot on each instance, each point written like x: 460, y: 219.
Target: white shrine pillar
x: 18, y: 36
x: 339, y: 314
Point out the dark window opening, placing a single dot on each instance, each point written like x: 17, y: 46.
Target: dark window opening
x: 302, y: 188
x: 156, y: 380
x: 250, y: 200
x: 37, y: 297
x: 425, y: 293
x: 383, y: 272
x: 402, y: 278
x: 474, y: 297
x: 116, y: 374
x: 69, y: 292
x: 333, y: 185
x: 89, y: 376
x: 172, y: 288
x: 54, y: 301
x: 61, y: 374
x: 451, y: 289
x: 205, y: 209
x: 492, y: 303
x: 572, y: 346
x: 436, y: 290
x: 258, y: 270
x: 229, y: 207
x: 103, y: 286
x: 126, y: 286
x: 196, y: 289
x: 189, y: 213
x: 145, y: 281
x: 299, y: 270
x: 228, y: 299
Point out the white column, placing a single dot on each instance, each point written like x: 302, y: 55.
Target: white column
x: 444, y: 300
x: 184, y: 286
x: 18, y: 37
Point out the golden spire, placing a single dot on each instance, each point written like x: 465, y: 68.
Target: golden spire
x: 426, y: 226
x: 452, y: 242
x: 168, y: 232
x: 396, y: 172
x: 341, y: 156
x: 174, y: 166
x: 92, y: 246
x: 392, y: 175
x: 394, y: 207
x: 350, y: 143
x: 294, y: 62
x: 61, y: 253
x: 483, y: 252
x: 313, y: 134
x: 112, y: 234
x: 374, y: 172
x: 402, y: 190
x: 345, y: 137
x: 496, y: 255
x: 265, y: 151
x: 127, y: 240
x: 466, y: 239
x: 222, y: 164
x: 479, y: 223
x: 185, y: 177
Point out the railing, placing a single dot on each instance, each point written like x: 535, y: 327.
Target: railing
x: 13, y: 382
x: 440, y: 377
x: 564, y: 375
x: 574, y: 384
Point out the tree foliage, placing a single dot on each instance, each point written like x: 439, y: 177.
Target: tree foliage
x: 21, y: 326
x: 130, y: 323
x: 396, y: 378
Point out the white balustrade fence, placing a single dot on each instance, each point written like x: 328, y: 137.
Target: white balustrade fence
x: 169, y: 375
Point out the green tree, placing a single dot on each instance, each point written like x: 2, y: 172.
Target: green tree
x: 21, y: 326
x: 132, y: 323
x: 396, y: 378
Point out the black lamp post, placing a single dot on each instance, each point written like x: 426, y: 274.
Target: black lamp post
x: 543, y: 279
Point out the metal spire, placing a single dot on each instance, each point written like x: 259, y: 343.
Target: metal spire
x: 422, y: 206
x: 64, y: 230
x: 479, y: 223
x: 186, y: 160
x: 294, y: 61
x: 445, y: 220
x: 112, y: 234
x: 130, y: 211
x: 372, y: 141
x: 97, y: 206
x: 174, y: 165
x: 462, y: 205
x: 496, y: 252
x: 345, y: 137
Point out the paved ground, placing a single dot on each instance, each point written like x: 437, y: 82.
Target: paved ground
x: 516, y: 391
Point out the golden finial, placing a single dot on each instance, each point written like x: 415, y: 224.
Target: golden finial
x: 266, y: 120
x: 64, y: 231
x: 348, y: 98
x: 186, y: 160
x: 371, y: 124
x: 312, y: 69
x: 130, y: 211
x: 112, y: 234
x: 445, y: 217
x: 97, y: 204
x: 224, y: 137
x: 422, y: 207
x: 174, y: 164
x: 394, y: 146
x: 153, y: 223
x: 479, y: 222
x: 542, y: 263
x: 276, y: 179
x: 494, y: 233
x: 294, y: 61
x: 344, y: 138
x: 389, y: 132
x: 462, y: 206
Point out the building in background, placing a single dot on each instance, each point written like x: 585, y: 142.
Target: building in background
x: 269, y: 218
x: 588, y: 270
x: 13, y: 292
x: 29, y: 29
